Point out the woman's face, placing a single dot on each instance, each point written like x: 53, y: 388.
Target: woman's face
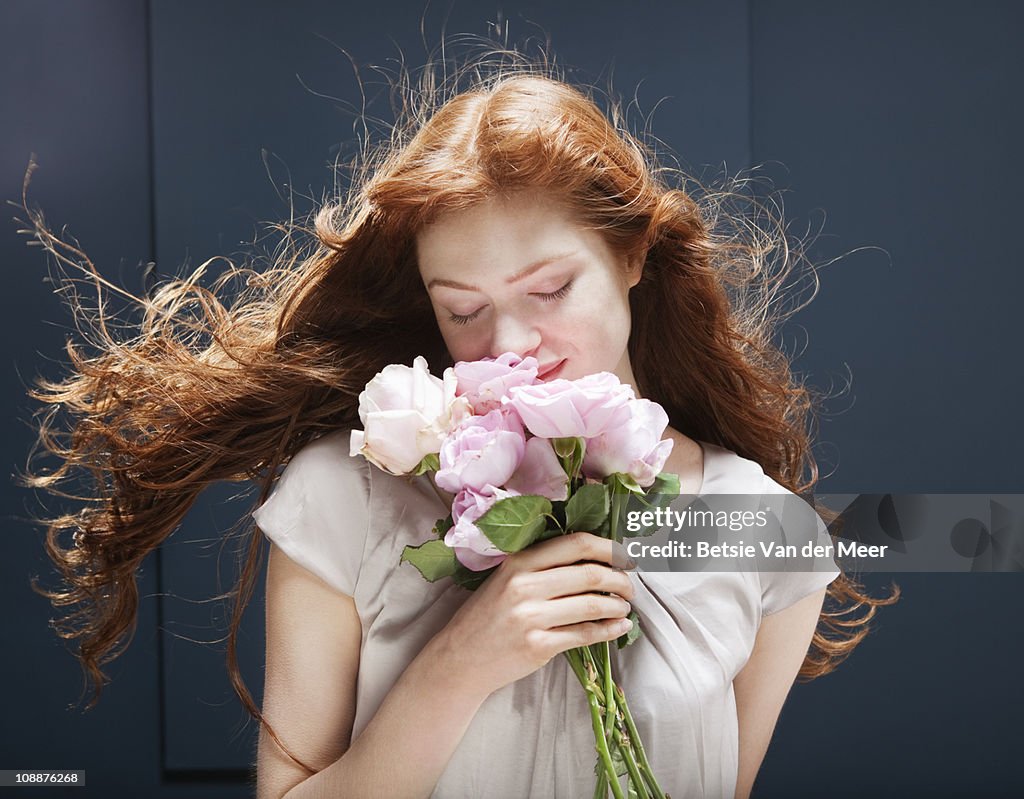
x: 520, y: 275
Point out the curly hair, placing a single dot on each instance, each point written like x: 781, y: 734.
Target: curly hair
x: 227, y: 383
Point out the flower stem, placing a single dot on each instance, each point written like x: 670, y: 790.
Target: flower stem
x: 573, y: 656
x: 595, y: 719
x: 617, y: 499
x: 624, y: 734
x: 636, y: 778
x: 634, y: 737
x: 609, y: 693
x: 615, y: 731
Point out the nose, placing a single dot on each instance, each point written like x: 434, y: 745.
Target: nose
x: 514, y: 334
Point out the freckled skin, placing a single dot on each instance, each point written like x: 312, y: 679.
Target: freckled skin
x: 483, y: 246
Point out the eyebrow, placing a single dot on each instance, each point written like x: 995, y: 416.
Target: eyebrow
x: 520, y: 275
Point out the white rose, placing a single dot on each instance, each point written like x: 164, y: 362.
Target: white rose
x: 406, y: 413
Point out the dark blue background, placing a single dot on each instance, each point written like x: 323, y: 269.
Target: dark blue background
x: 895, y: 129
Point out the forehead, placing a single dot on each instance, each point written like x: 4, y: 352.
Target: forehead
x: 507, y: 230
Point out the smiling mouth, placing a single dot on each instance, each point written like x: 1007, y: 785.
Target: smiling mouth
x: 551, y: 371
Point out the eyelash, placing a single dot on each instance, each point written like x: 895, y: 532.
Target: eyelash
x: 558, y: 294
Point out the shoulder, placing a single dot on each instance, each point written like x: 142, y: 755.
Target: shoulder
x: 790, y: 520
x: 324, y: 472
x: 327, y: 454
x: 725, y: 472
x: 323, y: 469
x: 319, y: 509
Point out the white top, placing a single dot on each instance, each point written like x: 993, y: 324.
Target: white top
x: 347, y: 522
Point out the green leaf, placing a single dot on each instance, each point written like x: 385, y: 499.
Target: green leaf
x: 618, y: 761
x: 469, y: 579
x: 620, y: 482
x: 514, y: 523
x: 627, y: 638
x: 587, y: 509
x: 663, y: 491
x: 443, y: 526
x: 550, y: 532
x: 430, y: 463
x: 434, y: 559
x: 665, y: 483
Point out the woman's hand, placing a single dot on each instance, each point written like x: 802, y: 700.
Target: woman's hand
x: 536, y: 604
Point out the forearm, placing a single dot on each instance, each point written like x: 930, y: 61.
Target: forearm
x: 405, y: 747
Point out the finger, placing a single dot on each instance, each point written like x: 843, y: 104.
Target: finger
x: 570, y: 548
x: 582, y: 608
x: 580, y: 578
x: 587, y: 633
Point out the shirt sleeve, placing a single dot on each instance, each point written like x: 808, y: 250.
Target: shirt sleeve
x: 781, y: 589
x: 318, y: 512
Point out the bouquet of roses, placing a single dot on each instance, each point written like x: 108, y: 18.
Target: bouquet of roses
x: 526, y: 460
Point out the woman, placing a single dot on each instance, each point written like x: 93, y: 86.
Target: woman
x: 513, y: 217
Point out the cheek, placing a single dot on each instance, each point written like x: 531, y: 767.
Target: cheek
x: 463, y: 344
x: 599, y: 315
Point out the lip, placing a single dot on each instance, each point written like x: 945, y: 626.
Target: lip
x: 550, y: 372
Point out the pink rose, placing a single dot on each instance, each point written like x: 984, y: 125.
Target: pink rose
x: 563, y: 408
x: 473, y: 549
x: 406, y: 413
x: 633, y: 447
x: 481, y: 450
x: 485, y: 382
x: 540, y: 472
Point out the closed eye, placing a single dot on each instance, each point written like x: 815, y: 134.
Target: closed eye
x: 464, y: 320
x: 546, y: 297
x: 559, y: 294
